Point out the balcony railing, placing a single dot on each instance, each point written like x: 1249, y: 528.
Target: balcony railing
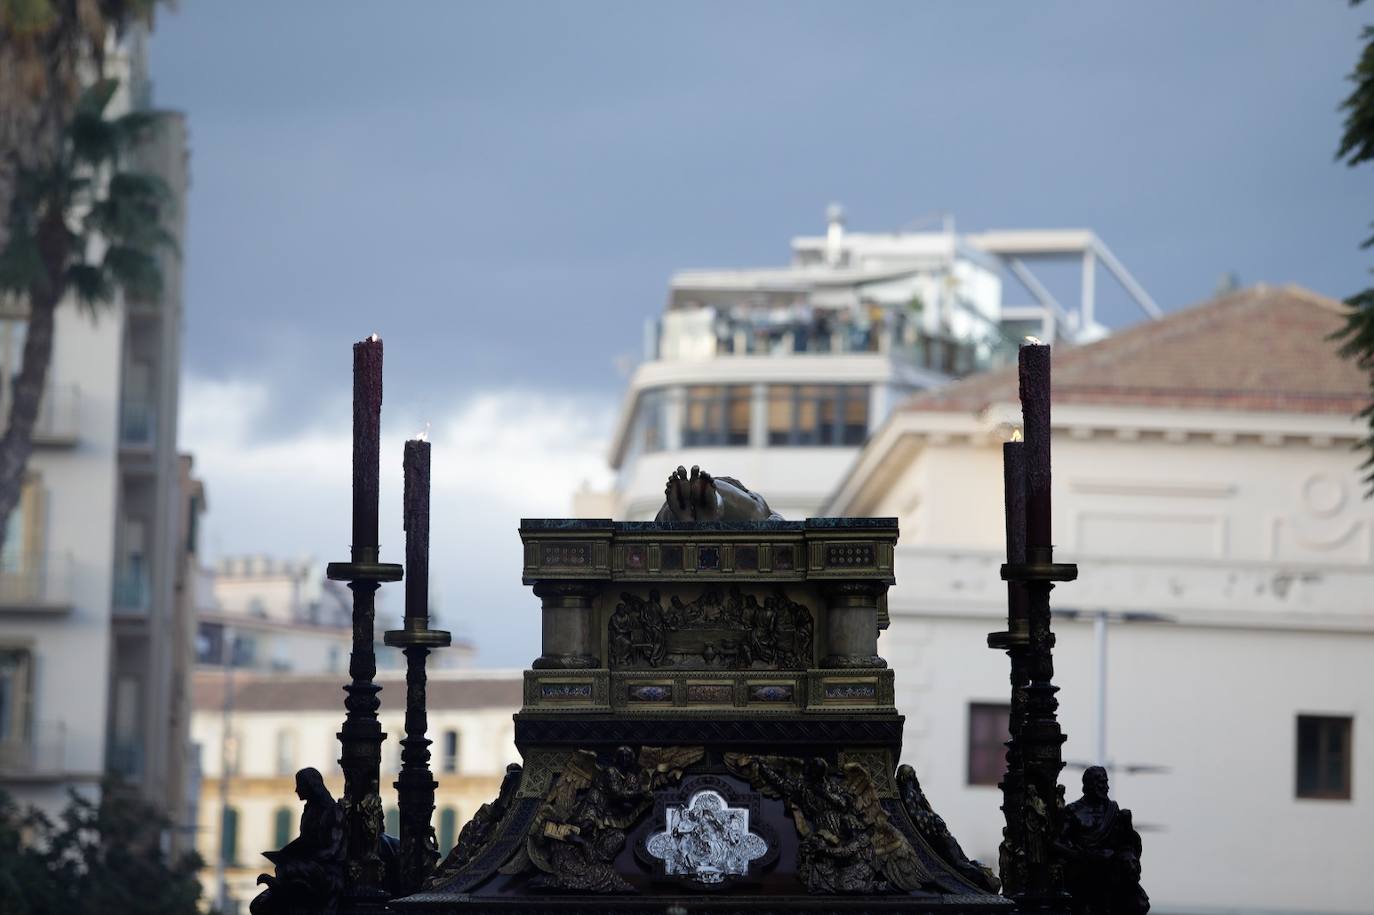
x: 137, y: 424
x: 130, y: 592
x: 42, y: 751
x: 792, y: 333
x: 59, y: 413
x: 36, y: 584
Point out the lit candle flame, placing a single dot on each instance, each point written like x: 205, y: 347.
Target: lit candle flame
x: 1016, y: 434
x: 422, y: 435
x: 1035, y: 341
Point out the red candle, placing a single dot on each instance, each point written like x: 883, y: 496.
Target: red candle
x: 416, y: 511
x: 1034, y: 364
x: 367, y: 427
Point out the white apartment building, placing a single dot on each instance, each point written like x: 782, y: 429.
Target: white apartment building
x: 779, y: 374
x: 278, y: 723
x: 1205, y: 483
x: 94, y: 644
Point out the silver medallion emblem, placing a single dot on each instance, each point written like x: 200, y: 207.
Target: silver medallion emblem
x: 707, y: 840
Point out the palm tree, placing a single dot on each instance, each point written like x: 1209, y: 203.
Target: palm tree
x: 87, y: 225
x: 1357, y: 146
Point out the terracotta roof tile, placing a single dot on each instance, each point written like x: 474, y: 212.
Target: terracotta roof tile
x: 255, y: 692
x: 1263, y: 348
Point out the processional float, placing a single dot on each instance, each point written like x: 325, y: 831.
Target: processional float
x: 709, y: 726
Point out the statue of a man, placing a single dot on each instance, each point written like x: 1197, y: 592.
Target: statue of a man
x: 1101, y: 850
x: 309, y: 869
x: 702, y: 497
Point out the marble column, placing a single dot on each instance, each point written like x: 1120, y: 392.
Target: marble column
x: 851, y: 627
x: 570, y: 640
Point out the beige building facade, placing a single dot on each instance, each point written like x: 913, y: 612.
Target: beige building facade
x: 254, y: 730
x: 1215, y: 651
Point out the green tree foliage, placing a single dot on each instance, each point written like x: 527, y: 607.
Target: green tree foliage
x: 88, y: 224
x: 95, y: 859
x: 1357, y: 147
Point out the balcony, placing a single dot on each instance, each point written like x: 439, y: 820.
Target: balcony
x: 41, y: 585
x: 137, y: 424
x: 801, y: 331
x: 130, y: 592
x: 58, y: 424
x: 39, y: 754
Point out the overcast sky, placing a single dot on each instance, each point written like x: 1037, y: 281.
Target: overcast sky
x: 502, y: 190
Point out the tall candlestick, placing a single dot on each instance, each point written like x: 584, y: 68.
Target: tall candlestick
x: 1034, y: 364
x: 416, y: 500
x: 367, y: 424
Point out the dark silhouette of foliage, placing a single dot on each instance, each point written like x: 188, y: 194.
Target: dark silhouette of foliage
x: 97, y: 858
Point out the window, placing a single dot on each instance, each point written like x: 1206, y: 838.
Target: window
x: 286, y: 752
x: 817, y: 414
x: 281, y: 822
x: 716, y: 414
x: 229, y: 836
x: 648, y: 429
x: 448, y: 829
x: 450, y: 761
x: 15, y: 665
x: 988, y: 731
x: 1324, y: 757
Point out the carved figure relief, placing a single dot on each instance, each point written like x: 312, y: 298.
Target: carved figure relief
x: 731, y: 630
x: 706, y: 840
x: 478, y: 831
x: 580, y: 828
x: 932, y: 828
x: 847, y: 842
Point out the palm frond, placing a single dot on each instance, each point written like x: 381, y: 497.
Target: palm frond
x: 91, y: 284
x: 135, y: 270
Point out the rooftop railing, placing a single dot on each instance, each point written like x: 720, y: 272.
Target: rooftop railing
x: 130, y: 591
x: 796, y: 332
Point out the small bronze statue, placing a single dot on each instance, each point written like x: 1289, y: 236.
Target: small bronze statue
x: 1101, y: 852
x: 702, y: 497
x: 932, y: 828
x: 310, y: 868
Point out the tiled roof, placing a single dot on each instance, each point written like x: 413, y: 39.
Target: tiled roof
x: 1264, y: 348
x: 256, y: 692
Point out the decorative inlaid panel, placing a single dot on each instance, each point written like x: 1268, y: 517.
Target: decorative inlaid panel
x: 649, y: 692
x: 565, y: 692
x: 747, y: 558
x: 849, y: 554
x: 566, y: 554
x: 771, y: 692
x: 713, y: 693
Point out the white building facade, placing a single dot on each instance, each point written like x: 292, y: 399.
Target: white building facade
x: 1205, y: 483
x: 94, y: 650
x: 780, y: 374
